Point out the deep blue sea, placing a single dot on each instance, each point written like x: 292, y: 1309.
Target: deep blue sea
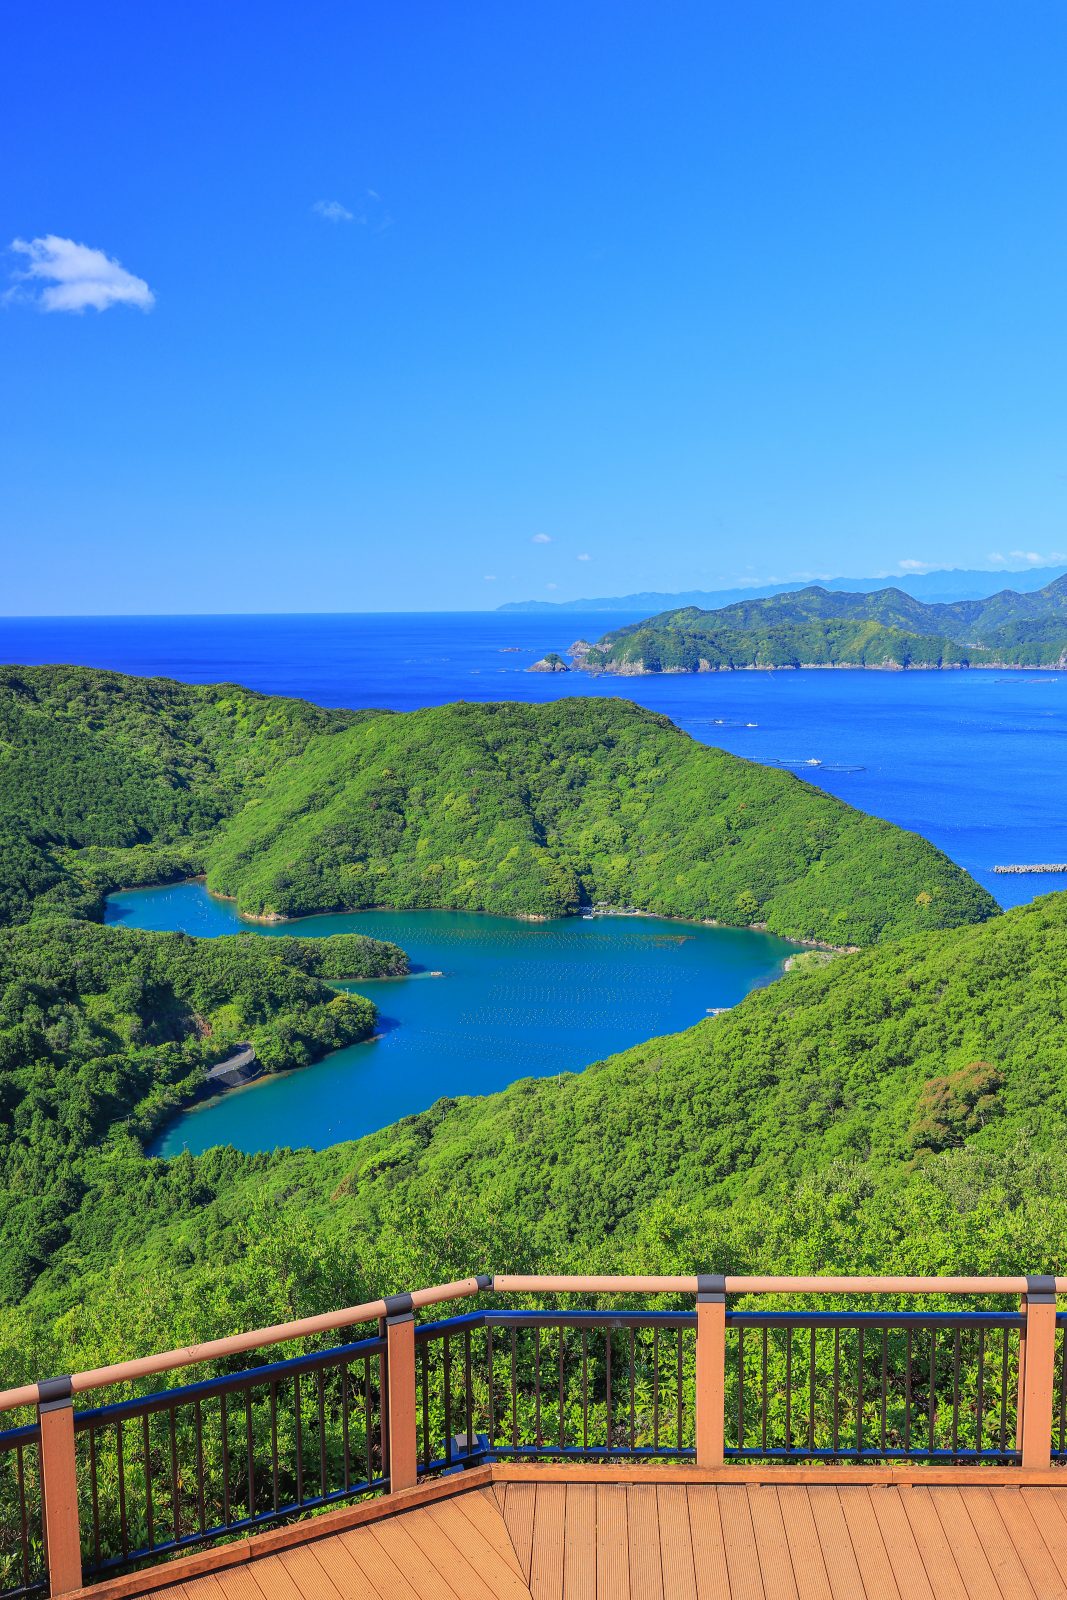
x: 976, y: 761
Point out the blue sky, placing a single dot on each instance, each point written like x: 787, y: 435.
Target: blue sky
x: 418, y: 306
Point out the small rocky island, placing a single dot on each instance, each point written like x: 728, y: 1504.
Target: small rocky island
x: 553, y: 662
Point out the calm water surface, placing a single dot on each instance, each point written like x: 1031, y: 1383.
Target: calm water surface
x: 517, y: 1000
x: 976, y: 761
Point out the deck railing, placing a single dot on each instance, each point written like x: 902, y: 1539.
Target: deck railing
x: 89, y: 1492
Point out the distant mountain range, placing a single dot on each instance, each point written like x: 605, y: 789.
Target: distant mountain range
x: 951, y: 584
x: 816, y: 627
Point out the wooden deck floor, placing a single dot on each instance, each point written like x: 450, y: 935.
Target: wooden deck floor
x: 512, y: 1540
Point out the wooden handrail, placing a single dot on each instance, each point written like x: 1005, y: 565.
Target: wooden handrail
x: 516, y: 1283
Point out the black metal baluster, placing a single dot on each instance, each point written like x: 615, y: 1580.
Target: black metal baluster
x: 297, y: 1412
x: 931, y: 1420
x: 250, y: 1454
x: 562, y: 1418
x: 95, y: 1489
x: 175, y: 1501
x: 585, y: 1390
x: 20, y: 1475
x: 225, y: 1425
x: 885, y: 1391
x: 811, y: 1392
x: 492, y: 1391
x: 447, y: 1341
x: 198, y: 1431
x: 368, y: 1409
x: 274, y: 1441
x: 633, y: 1416
x: 907, y: 1391
x: 763, y: 1395
x: 1063, y: 1389
x: 837, y: 1388
x: 607, y: 1372
x: 514, y: 1399
x: 1004, y: 1394
x: 859, y: 1390
x: 979, y: 1419
x: 120, y: 1461
x: 319, y: 1384
x: 789, y: 1388
x: 426, y: 1456
x: 680, y: 1390
x: 956, y: 1393
x: 740, y: 1386
x: 537, y: 1385
x: 469, y: 1387
x: 655, y: 1387
x: 346, y: 1442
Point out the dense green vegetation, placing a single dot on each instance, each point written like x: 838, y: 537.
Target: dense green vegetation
x: 104, y: 1032
x: 899, y: 1107
x: 536, y: 810
x: 821, y: 628
x: 107, y: 781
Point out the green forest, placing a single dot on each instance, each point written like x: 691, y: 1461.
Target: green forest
x: 822, y: 628
x: 902, y: 1106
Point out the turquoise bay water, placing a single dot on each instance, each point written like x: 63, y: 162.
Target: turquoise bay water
x: 517, y: 999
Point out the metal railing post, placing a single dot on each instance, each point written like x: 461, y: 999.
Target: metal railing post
x: 401, y: 1434
x: 59, y: 1485
x: 711, y: 1370
x: 1037, y: 1360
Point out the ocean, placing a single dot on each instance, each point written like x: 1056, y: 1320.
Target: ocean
x: 976, y: 761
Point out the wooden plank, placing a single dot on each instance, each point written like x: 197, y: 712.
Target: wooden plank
x: 772, y: 1542
x: 646, y: 1567
x: 868, y: 1546
x: 238, y: 1583
x: 343, y: 1571
x: 207, y: 1587
x: 1033, y: 1550
x: 546, y: 1561
x: 742, y: 1554
x: 273, y: 1581
x: 382, y: 1572
x: 996, y: 1541
x: 978, y: 1580
x: 500, y: 1577
x: 839, y: 1558
x: 1049, y: 1511
x: 308, y: 1575
x: 579, y: 1545
x: 809, y: 1568
x: 519, y: 1508
x: 445, y: 1557
x: 675, y: 1542
x: 612, y: 1542
x: 838, y: 1472
x: 408, y: 1558
x: 482, y: 1509
x: 709, y: 1547
x: 931, y: 1541
x: 909, y: 1569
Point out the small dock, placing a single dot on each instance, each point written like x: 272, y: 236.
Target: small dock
x: 1048, y: 866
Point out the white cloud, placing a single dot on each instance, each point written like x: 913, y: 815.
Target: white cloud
x: 490, y: 577
x: 585, y: 558
x: 1033, y: 559
x: 551, y: 585
x: 75, y: 277
x: 541, y: 538
x: 995, y: 555
x: 333, y: 211
x: 909, y: 565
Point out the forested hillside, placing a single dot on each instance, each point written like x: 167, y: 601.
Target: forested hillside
x: 899, y: 1109
x: 821, y: 628
x: 104, y: 1031
x: 539, y: 809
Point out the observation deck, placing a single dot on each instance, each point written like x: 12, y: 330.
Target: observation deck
x: 703, y: 1436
